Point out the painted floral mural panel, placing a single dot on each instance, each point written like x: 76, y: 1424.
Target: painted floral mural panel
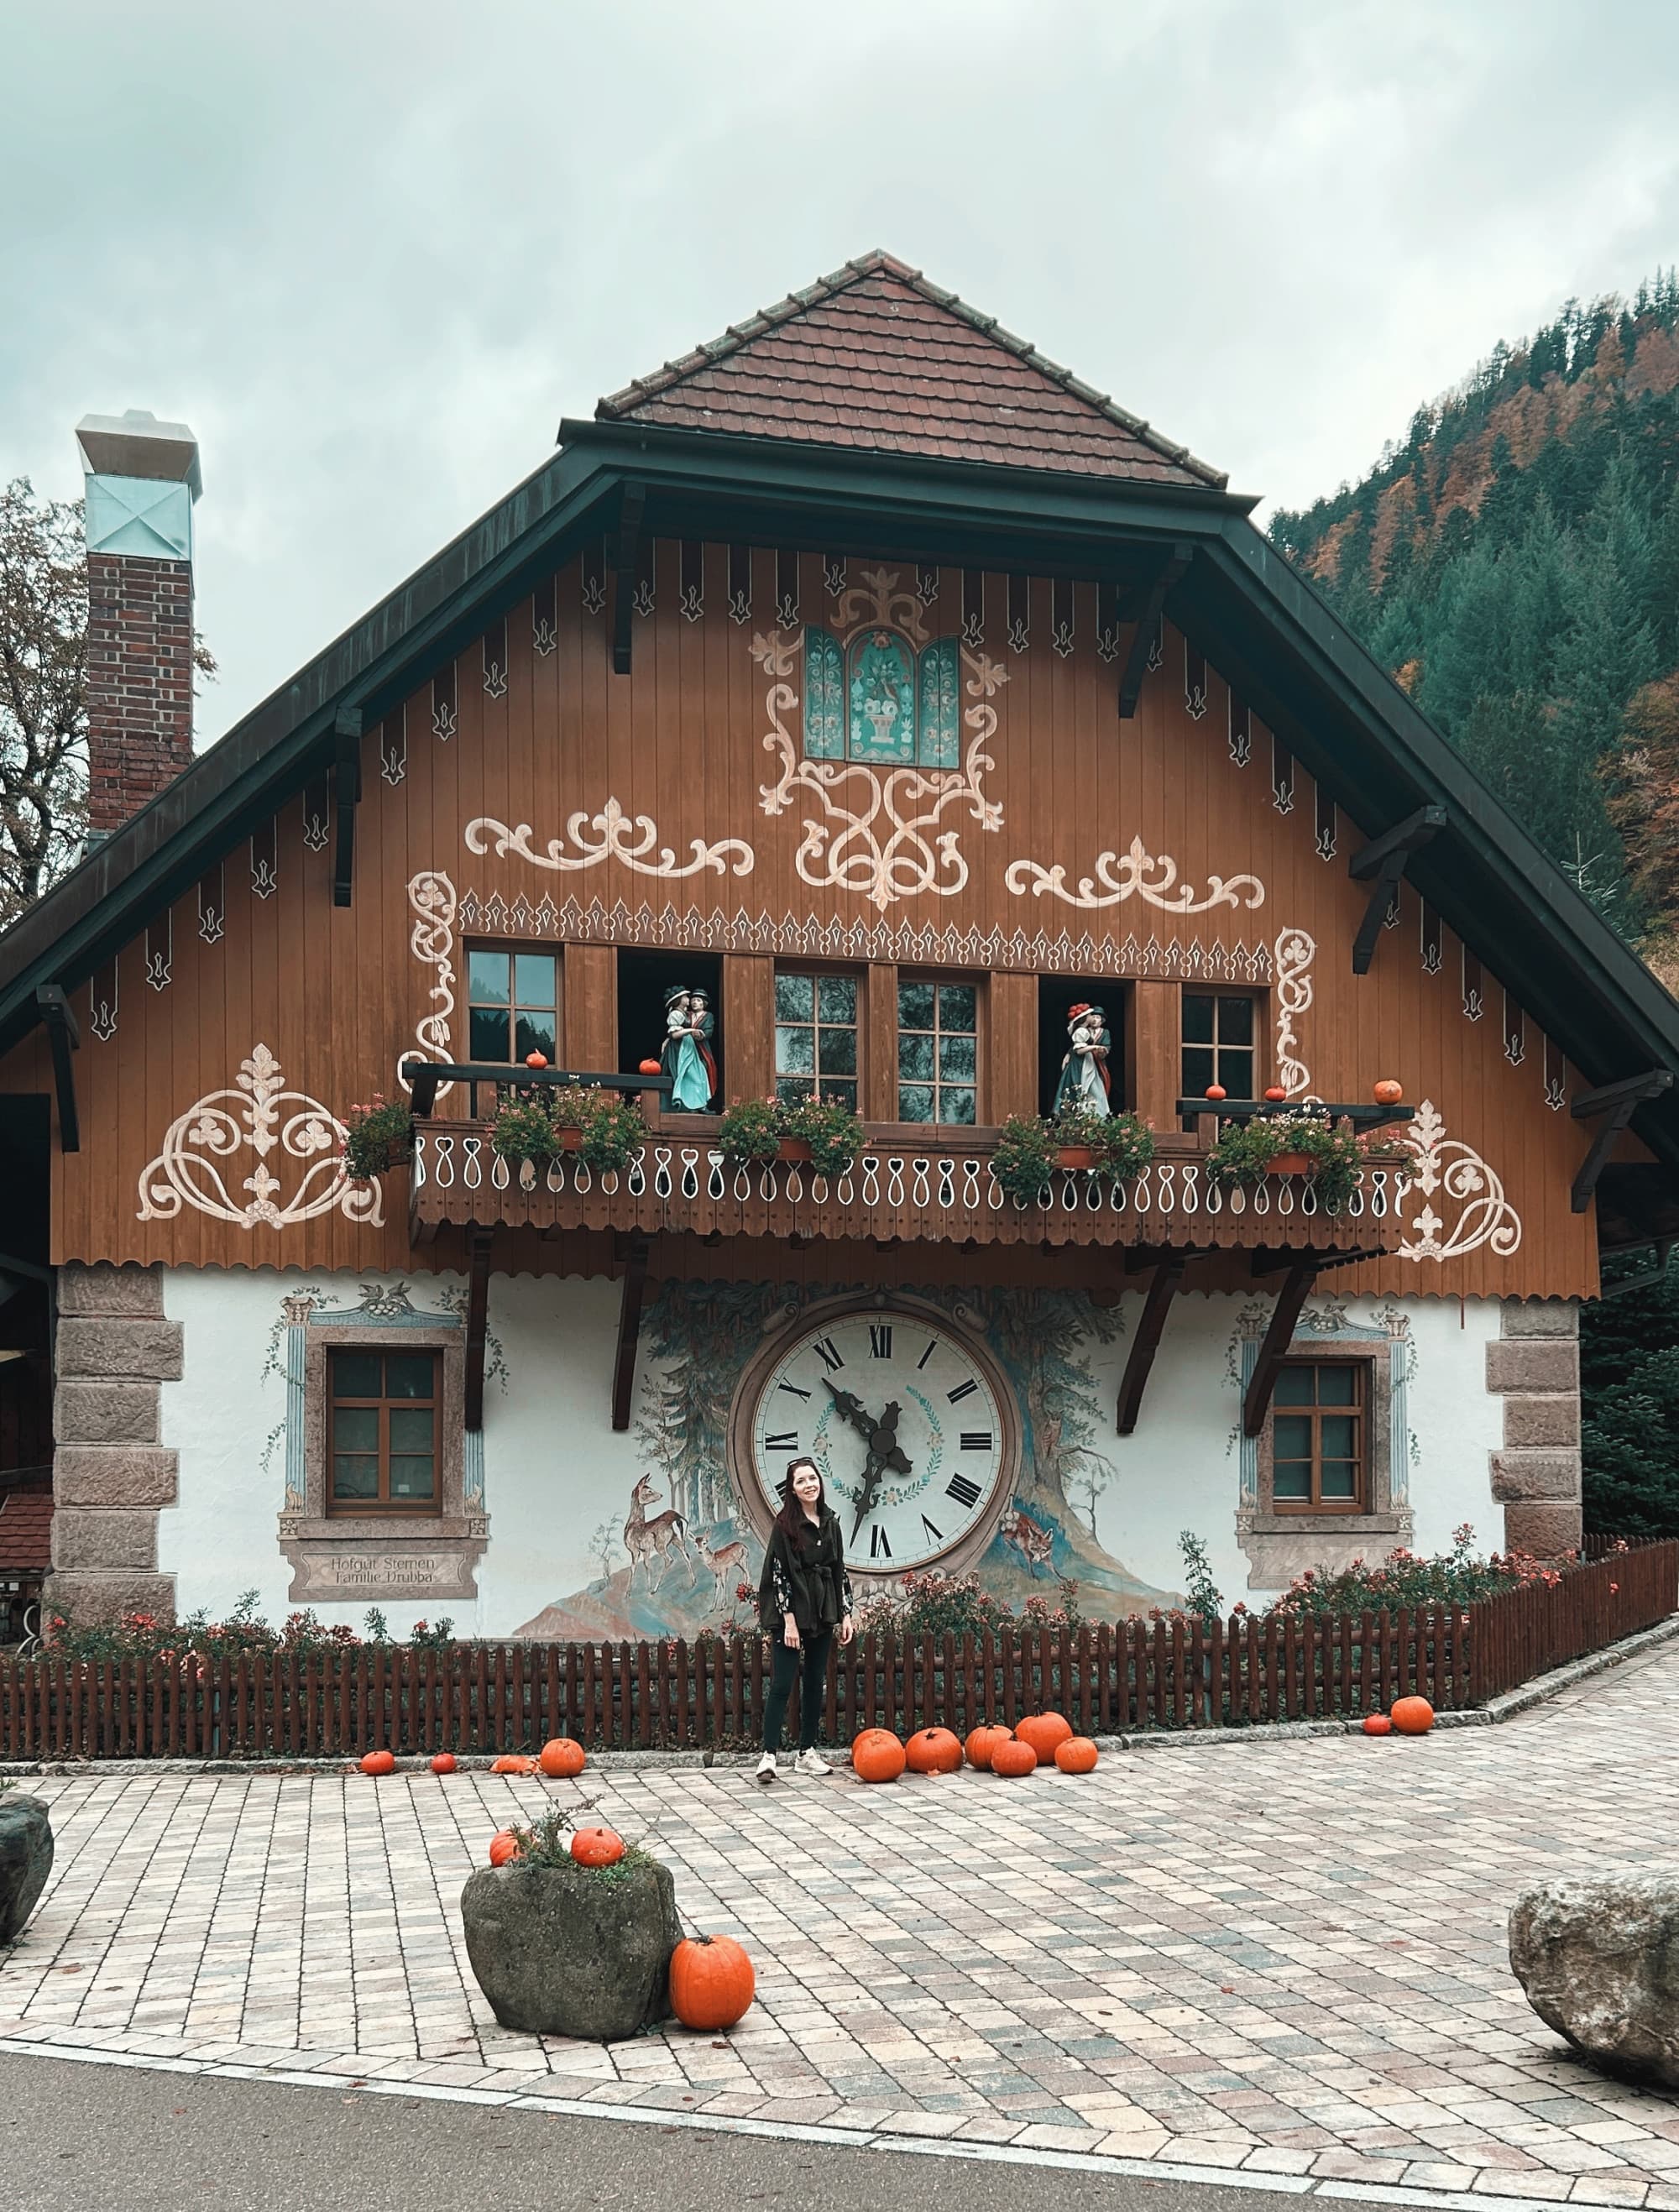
x: 882, y: 693
x: 825, y: 695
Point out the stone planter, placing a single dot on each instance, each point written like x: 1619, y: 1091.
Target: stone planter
x: 1598, y: 1958
x: 571, y: 1950
x: 26, y: 1860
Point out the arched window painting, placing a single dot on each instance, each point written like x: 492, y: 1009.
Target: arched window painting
x: 876, y: 700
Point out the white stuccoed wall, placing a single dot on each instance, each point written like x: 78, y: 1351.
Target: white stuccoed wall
x: 554, y: 1469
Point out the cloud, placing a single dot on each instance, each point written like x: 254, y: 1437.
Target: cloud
x: 373, y: 254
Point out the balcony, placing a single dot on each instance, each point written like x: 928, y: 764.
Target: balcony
x: 930, y: 1188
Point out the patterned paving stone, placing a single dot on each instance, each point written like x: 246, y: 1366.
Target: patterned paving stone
x: 1282, y: 1958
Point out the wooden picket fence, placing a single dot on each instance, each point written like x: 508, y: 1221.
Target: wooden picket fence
x: 1113, y: 1678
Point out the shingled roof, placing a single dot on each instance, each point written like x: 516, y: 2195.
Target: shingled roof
x: 877, y: 358
x: 26, y: 1532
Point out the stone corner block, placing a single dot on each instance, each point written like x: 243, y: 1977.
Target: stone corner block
x: 1548, y: 1364
x: 102, y: 1288
x: 115, y: 1474
x: 1532, y: 1421
x: 1536, y: 1477
x: 88, y: 1598
x: 1539, y: 1318
x: 105, y: 1412
x: 104, y: 1540
x: 108, y: 1347
x: 1546, y: 1529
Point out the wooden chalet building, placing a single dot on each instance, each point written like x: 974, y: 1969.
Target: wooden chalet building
x: 857, y: 701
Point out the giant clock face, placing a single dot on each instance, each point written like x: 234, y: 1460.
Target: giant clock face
x: 907, y: 1419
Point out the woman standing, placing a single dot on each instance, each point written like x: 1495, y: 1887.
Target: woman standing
x: 804, y: 1594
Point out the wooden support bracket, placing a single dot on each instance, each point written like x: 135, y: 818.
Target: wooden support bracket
x: 347, y: 794
x: 64, y: 1035
x: 1137, y: 660
x: 1385, y: 859
x: 626, y: 555
x: 1162, y: 1289
x: 1616, y: 1103
x: 629, y: 1331
x: 478, y: 1323
x: 1285, y: 1317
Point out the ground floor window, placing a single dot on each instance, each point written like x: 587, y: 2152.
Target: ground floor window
x: 1319, y: 1443
x: 382, y: 1409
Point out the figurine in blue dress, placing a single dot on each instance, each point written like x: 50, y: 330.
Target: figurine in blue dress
x: 1085, y: 1084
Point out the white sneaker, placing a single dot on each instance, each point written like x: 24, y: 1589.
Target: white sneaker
x: 812, y: 1762
x: 766, y: 1767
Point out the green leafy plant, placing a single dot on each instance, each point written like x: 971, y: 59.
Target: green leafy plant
x: 523, y: 1128
x: 1201, y: 1593
x: 750, y: 1130
x: 547, y: 1843
x: 1453, y: 1578
x: 570, y: 1105
x: 1124, y: 1146
x: 378, y: 1135
x: 1242, y: 1154
x: 1023, y: 1158
x: 831, y: 1130
x: 612, y: 1135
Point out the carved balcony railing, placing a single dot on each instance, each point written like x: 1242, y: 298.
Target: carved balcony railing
x: 934, y: 1193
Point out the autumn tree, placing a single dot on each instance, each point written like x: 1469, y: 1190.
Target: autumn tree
x: 1642, y: 777
x: 43, y: 692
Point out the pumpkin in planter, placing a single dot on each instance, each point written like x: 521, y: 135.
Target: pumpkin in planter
x: 505, y: 1845
x: 932, y: 1751
x: 1377, y: 1725
x: 1043, y: 1732
x: 512, y: 1762
x: 597, y: 1847
x: 982, y: 1742
x: 712, y: 1981
x: 380, y: 1762
x: 1013, y: 1756
x: 877, y: 1756
x: 559, y: 1758
x: 1413, y: 1715
x: 1076, y: 1755
x: 444, y: 1763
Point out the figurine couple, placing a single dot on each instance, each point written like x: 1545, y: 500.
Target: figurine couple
x: 1085, y: 1084
x: 685, y: 1056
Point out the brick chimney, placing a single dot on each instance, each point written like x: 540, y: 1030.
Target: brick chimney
x: 142, y: 480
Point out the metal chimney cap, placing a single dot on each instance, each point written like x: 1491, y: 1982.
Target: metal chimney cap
x: 137, y: 445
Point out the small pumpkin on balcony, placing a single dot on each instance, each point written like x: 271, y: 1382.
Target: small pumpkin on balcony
x: 378, y: 1135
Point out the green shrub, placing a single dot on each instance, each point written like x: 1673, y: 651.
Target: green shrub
x: 378, y: 1135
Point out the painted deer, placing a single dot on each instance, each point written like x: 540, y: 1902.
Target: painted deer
x: 647, y: 1540
x: 1022, y: 1534
x: 727, y: 1564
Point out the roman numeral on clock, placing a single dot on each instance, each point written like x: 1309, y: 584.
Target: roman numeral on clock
x: 937, y: 1534
x: 878, y: 1548
x: 931, y: 1347
x: 787, y: 1441
x: 793, y: 1387
x: 965, y: 1493
x: 977, y: 1440
x: 881, y: 1339
x: 962, y: 1390
x: 828, y: 1352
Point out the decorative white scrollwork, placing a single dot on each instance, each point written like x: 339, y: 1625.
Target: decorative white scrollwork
x: 1133, y: 874
x: 432, y: 896
x: 1455, y: 1171
x: 617, y: 836
x: 882, y: 846
x: 261, y: 1116
x: 1293, y: 955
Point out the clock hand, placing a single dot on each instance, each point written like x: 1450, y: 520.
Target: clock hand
x: 852, y: 1407
x: 884, y: 1451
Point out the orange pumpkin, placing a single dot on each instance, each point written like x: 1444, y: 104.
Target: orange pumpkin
x: 505, y: 1845
x: 380, y: 1762
x: 1377, y: 1725
x: 536, y: 1059
x: 932, y: 1751
x: 982, y: 1742
x: 561, y: 1757
x: 1413, y: 1715
x: 1044, y: 1731
x: 512, y: 1762
x: 712, y: 1981
x: 1015, y: 1756
x: 877, y: 1756
x: 1215, y: 1091
x: 1275, y: 1094
x: 1387, y: 1092
x: 597, y: 1847
x: 444, y: 1763
x: 1077, y: 1755
x: 650, y: 1067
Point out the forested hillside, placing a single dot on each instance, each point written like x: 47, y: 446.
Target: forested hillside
x: 1515, y: 564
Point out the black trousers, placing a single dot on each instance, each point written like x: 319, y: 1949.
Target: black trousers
x: 808, y: 1666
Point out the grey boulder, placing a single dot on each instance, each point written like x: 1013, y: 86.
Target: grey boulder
x: 26, y: 1860
x: 571, y: 1950
x: 1598, y: 1957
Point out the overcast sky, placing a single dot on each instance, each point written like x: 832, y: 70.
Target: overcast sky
x: 372, y: 253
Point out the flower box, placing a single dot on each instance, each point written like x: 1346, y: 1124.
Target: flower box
x: 1074, y: 1157
x: 1288, y: 1164
x: 795, y: 1152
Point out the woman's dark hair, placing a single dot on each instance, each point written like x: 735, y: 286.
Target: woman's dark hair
x: 791, y: 1514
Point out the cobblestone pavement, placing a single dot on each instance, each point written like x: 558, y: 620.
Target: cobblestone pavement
x: 1283, y: 1959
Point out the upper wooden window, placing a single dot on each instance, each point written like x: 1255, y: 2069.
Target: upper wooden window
x: 382, y: 1444
x: 817, y: 1037
x: 938, y: 1050
x: 1220, y: 1042
x: 1320, y: 1437
x: 514, y: 1004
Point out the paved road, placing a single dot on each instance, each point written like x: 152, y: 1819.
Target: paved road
x: 89, y: 2138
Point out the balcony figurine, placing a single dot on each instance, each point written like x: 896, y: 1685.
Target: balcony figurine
x: 685, y: 1056
x: 1085, y: 1084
